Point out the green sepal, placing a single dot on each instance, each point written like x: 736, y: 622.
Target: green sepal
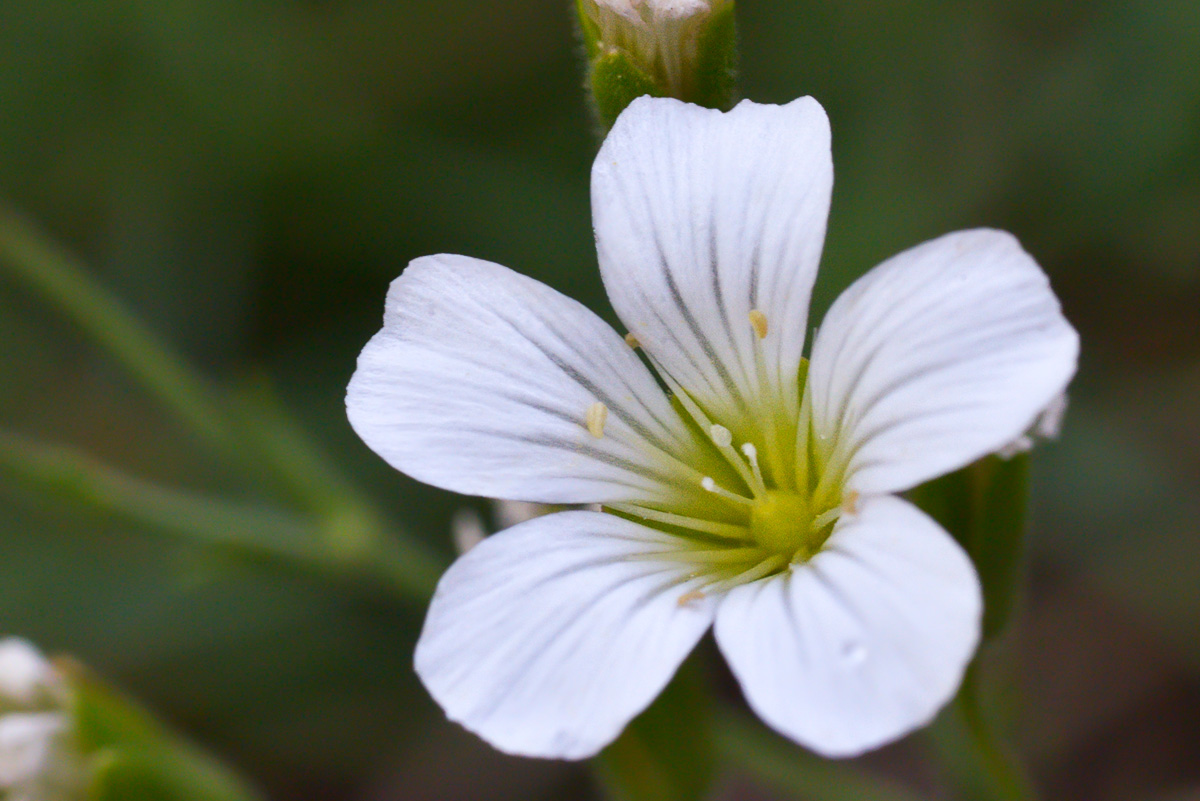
x: 155, y: 774
x: 616, y: 82
x: 716, y: 62
x: 668, y: 752
x: 130, y: 755
x: 984, y: 506
x: 589, y: 31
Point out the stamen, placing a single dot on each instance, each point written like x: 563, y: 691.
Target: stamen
x: 758, y: 321
x: 765, y: 567
x: 824, y: 519
x: 688, y: 597
x: 850, y: 504
x: 803, y: 445
x: 712, y: 487
x: 597, y: 414
x: 713, y: 556
x: 752, y: 456
x: 632, y: 341
x: 720, y: 435
x: 686, y: 401
x: 723, y: 530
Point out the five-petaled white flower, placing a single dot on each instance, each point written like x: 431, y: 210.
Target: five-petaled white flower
x: 756, y: 493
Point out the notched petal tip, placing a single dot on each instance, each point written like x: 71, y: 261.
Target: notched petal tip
x: 709, y: 249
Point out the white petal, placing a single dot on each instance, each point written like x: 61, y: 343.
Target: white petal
x: 863, y: 643
x: 25, y: 741
x: 481, y: 382
x: 938, y: 356
x: 547, y: 638
x: 702, y: 217
x: 23, y: 671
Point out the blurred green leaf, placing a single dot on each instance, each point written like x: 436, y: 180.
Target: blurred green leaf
x: 784, y: 766
x: 133, y: 756
x: 248, y: 530
x: 55, y: 274
x: 965, y: 738
x: 984, y: 506
x: 666, y: 753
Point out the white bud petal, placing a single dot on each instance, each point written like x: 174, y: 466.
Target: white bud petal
x: 23, y: 672
x: 26, y: 745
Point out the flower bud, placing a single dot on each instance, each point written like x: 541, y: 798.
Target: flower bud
x: 67, y: 736
x: 24, y: 674
x: 38, y: 759
x: 684, y: 49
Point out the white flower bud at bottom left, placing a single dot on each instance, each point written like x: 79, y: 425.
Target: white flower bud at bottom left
x: 27, y: 745
x: 24, y: 673
x: 37, y: 755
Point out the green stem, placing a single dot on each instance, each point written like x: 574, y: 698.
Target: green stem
x: 966, y: 742
x: 132, y: 755
x: 60, y: 278
x: 353, y: 528
x: 784, y: 766
x: 254, y: 530
x: 263, y: 436
x: 1007, y: 778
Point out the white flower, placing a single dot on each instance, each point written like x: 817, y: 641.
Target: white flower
x: 758, y: 496
x: 24, y: 675
x: 26, y: 745
x: 35, y: 752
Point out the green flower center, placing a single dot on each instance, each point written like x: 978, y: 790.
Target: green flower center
x: 768, y: 496
x: 782, y: 522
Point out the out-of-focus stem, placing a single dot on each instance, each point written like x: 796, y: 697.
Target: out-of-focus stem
x: 966, y: 742
x: 1007, y: 778
x: 253, y: 530
x: 57, y: 275
x: 783, y: 766
x: 351, y: 527
x: 264, y: 442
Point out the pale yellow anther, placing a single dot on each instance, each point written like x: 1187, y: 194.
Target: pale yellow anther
x: 632, y: 341
x: 597, y: 414
x: 720, y: 435
x: 850, y: 503
x: 688, y: 597
x: 711, y: 486
x: 758, y: 321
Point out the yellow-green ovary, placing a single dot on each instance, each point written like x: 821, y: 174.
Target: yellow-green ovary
x: 782, y: 522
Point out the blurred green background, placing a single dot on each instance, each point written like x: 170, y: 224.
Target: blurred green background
x: 248, y: 175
